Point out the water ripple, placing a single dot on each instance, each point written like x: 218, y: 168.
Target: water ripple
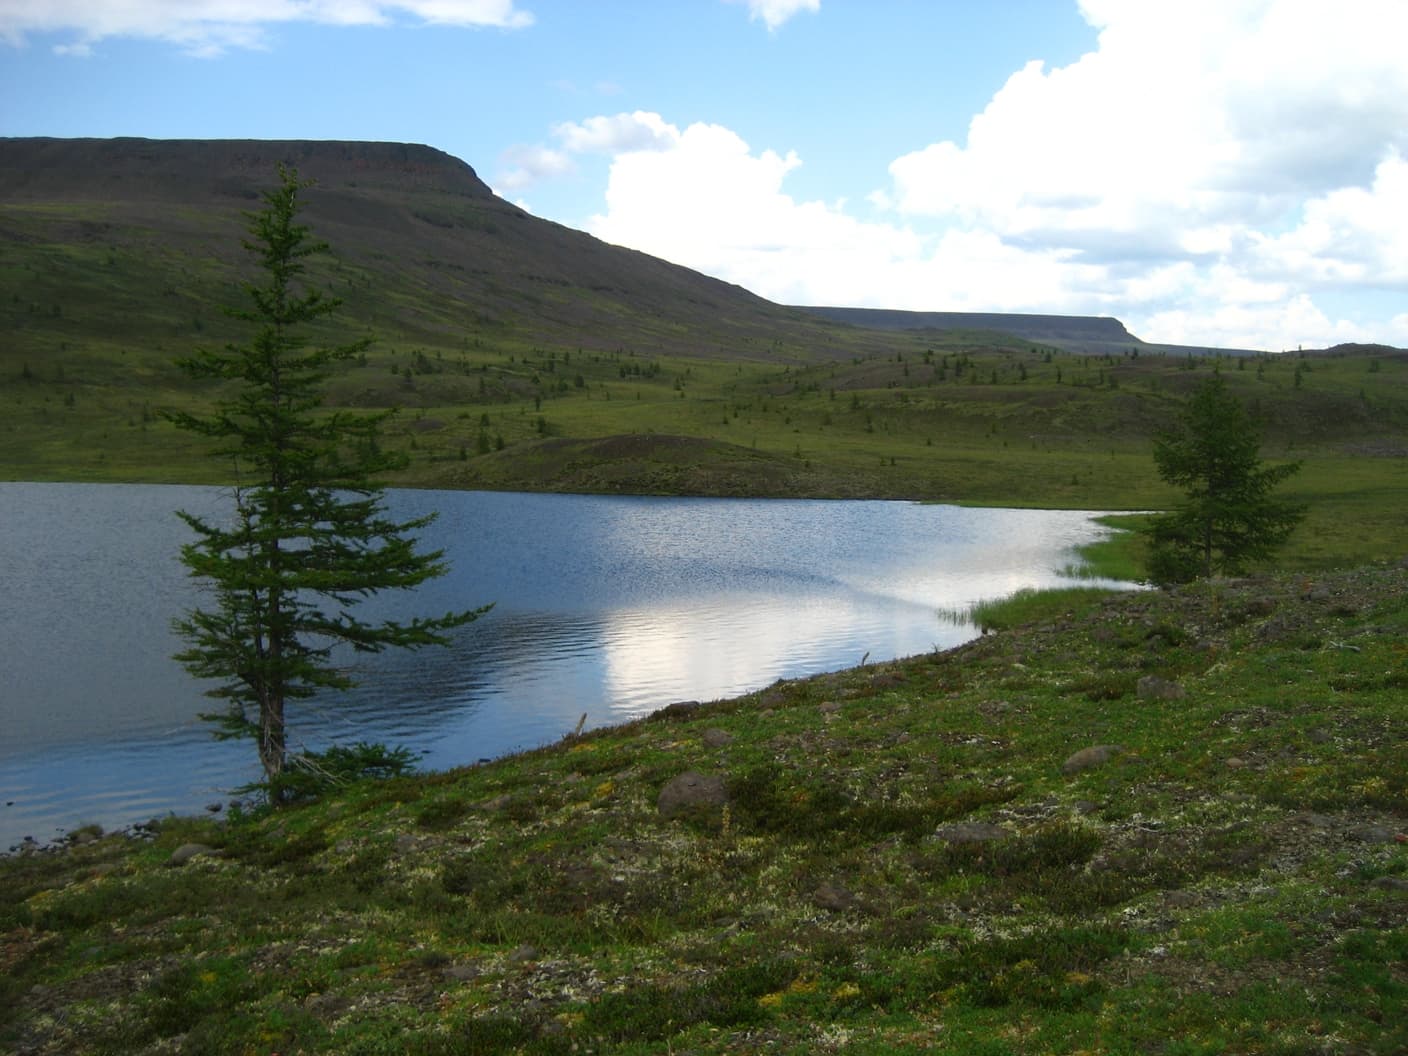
x: 608, y: 607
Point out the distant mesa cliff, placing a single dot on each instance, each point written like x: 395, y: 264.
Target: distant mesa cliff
x: 1089, y: 333
x: 185, y: 169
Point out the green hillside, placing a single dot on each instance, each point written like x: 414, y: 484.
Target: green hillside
x: 525, y: 355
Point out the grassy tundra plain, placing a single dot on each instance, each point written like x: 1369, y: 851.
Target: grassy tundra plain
x: 944, y: 416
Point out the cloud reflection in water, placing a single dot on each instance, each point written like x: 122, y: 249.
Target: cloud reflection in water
x: 607, y: 606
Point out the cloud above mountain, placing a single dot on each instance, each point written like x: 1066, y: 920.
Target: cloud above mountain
x: 773, y: 13
x: 1226, y: 172
x: 1214, y: 171
x: 209, y: 27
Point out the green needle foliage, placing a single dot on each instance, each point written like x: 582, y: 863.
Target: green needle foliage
x: 1229, y: 518
x: 309, y: 536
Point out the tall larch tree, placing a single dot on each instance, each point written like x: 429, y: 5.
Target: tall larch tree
x: 309, y: 535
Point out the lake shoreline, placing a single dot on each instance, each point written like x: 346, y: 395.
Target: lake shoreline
x: 607, y: 605
x: 1154, y: 816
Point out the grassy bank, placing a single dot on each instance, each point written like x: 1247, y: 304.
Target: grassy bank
x: 910, y: 858
x: 935, y: 417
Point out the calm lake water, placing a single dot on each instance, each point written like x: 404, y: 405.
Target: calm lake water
x: 607, y: 606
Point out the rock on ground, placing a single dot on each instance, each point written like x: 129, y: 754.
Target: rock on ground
x: 1087, y: 758
x: 690, y: 791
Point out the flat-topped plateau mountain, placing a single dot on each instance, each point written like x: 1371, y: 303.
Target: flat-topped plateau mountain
x: 423, y: 246
x: 1073, y: 333
x: 428, y: 235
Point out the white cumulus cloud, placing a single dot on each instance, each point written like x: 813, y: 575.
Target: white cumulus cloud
x: 1214, y: 172
x: 208, y: 27
x: 700, y: 197
x: 524, y: 166
x: 773, y: 13
x: 622, y: 132
x: 1222, y: 159
x: 1348, y: 236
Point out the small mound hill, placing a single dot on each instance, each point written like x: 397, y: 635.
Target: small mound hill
x: 639, y: 464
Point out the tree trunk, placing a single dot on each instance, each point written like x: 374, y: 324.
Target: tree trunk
x: 271, y: 737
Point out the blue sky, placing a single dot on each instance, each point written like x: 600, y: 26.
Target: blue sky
x: 1229, y: 172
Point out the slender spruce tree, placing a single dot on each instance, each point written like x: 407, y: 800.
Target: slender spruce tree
x: 308, y: 536
x: 1229, y: 518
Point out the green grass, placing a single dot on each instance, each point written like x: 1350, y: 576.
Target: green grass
x: 1118, y: 556
x: 1229, y: 882
x: 507, y: 379
x: 509, y: 415
x: 464, y: 309
x: 1030, y: 605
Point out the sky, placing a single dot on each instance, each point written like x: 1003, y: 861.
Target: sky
x: 1211, y: 172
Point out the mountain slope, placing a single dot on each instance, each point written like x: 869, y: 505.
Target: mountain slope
x: 428, y: 250
x: 438, y: 254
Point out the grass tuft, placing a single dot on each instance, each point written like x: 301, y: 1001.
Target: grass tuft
x: 1030, y: 605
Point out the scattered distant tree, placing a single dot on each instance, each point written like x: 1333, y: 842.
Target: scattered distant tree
x: 1228, y: 519
x: 309, y: 536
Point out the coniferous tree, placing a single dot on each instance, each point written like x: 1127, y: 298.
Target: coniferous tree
x: 309, y: 536
x: 1228, y: 519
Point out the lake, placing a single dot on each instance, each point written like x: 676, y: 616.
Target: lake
x: 610, y: 607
